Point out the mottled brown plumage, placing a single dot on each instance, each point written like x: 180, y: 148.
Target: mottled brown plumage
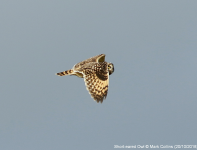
x: 95, y: 72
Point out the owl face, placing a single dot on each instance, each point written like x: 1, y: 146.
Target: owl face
x: 110, y: 68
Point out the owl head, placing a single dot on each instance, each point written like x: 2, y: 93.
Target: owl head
x: 110, y: 68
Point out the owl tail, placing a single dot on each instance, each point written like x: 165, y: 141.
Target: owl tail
x: 64, y: 73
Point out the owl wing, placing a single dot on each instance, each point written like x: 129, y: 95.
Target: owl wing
x: 83, y: 64
x: 97, y: 81
x: 100, y: 58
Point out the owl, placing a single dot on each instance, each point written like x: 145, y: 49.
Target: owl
x: 95, y: 72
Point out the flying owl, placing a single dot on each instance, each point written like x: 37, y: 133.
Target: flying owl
x: 95, y: 72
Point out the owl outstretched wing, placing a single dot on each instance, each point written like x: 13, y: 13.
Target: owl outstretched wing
x: 97, y: 81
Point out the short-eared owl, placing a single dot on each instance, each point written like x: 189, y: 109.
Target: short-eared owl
x: 95, y: 72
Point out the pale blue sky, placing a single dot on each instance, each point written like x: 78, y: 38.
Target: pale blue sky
x: 152, y: 95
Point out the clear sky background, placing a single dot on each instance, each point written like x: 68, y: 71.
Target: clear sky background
x: 152, y: 95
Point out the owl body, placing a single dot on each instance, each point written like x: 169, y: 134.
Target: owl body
x: 95, y: 72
